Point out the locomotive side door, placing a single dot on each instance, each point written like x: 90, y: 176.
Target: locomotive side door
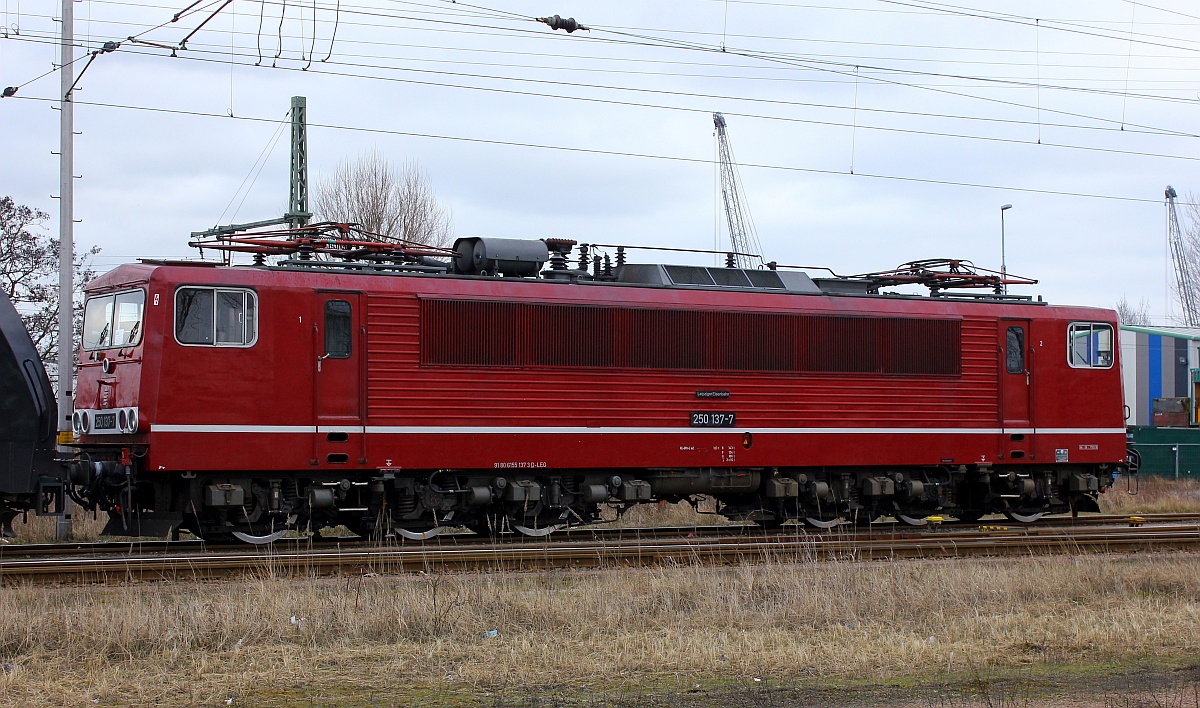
x: 1015, y: 386
x: 337, y: 389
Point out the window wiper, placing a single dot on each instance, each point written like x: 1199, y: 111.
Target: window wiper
x: 133, y: 332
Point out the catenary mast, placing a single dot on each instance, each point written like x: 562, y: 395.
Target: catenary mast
x: 66, y: 239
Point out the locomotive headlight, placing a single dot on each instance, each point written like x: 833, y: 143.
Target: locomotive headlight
x: 84, y: 422
x: 76, y: 423
x: 123, y: 420
x: 133, y: 420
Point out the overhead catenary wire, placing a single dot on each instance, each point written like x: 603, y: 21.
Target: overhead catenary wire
x: 813, y: 40
x: 255, y: 170
x: 909, y: 84
x: 792, y: 103
x: 804, y: 62
x: 505, y: 78
x: 769, y: 117
x: 1037, y: 63
x: 1061, y: 26
x: 619, y: 153
x: 855, y: 126
x: 844, y: 72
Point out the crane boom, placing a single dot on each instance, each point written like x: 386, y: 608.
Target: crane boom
x: 1187, y: 284
x: 743, y: 239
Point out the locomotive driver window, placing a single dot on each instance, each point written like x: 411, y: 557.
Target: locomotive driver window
x: 194, y: 315
x: 1090, y: 345
x: 215, y: 316
x: 1014, y: 355
x: 338, y: 329
x: 231, y: 317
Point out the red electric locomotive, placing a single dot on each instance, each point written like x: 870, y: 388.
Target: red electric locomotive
x: 387, y: 390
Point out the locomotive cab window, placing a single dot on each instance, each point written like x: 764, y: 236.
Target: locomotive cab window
x: 113, y: 320
x: 1090, y: 345
x: 223, y: 317
x: 338, y: 329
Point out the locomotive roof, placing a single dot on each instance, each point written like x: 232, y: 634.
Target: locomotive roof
x: 331, y: 248
x: 651, y: 275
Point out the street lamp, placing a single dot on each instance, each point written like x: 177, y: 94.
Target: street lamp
x: 1003, y: 264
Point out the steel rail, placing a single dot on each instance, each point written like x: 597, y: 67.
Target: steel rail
x: 146, y: 545
x: 599, y: 553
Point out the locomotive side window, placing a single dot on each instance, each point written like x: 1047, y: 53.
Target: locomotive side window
x: 113, y: 320
x: 338, y: 326
x: 216, y: 316
x: 1090, y: 345
x: 1014, y: 351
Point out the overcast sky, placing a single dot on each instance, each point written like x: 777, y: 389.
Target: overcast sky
x: 869, y: 133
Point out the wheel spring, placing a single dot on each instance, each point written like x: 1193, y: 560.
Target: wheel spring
x: 406, y: 505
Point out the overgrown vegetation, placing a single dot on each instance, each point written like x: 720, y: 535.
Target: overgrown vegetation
x: 1154, y: 495
x: 427, y: 638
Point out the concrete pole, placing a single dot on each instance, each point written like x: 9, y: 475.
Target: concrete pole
x: 66, y: 251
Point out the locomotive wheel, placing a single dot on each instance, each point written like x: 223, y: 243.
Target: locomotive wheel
x: 537, y: 533
x: 259, y: 540
x: 821, y: 523
x: 419, y: 535
x: 1023, y: 518
x: 273, y: 534
x: 911, y: 520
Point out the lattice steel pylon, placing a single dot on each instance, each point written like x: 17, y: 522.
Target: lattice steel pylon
x: 743, y: 239
x: 1187, y: 281
x: 298, y: 213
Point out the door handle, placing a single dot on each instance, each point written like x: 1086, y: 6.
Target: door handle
x: 319, y: 360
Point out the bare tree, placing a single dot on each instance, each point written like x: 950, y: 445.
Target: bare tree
x: 1130, y: 314
x: 396, y: 204
x: 29, y: 275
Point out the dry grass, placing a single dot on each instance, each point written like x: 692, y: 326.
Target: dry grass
x: 40, y: 529
x: 420, y: 638
x: 662, y: 514
x: 1155, y: 495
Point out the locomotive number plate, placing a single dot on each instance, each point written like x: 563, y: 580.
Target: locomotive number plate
x: 106, y: 421
x: 713, y: 420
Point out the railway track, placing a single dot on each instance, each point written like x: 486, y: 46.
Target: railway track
x: 878, y: 528
x: 177, y: 562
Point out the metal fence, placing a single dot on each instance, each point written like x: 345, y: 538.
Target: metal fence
x: 1178, y: 460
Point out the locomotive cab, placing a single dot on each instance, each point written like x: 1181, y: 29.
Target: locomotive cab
x: 108, y: 422
x: 106, y: 392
